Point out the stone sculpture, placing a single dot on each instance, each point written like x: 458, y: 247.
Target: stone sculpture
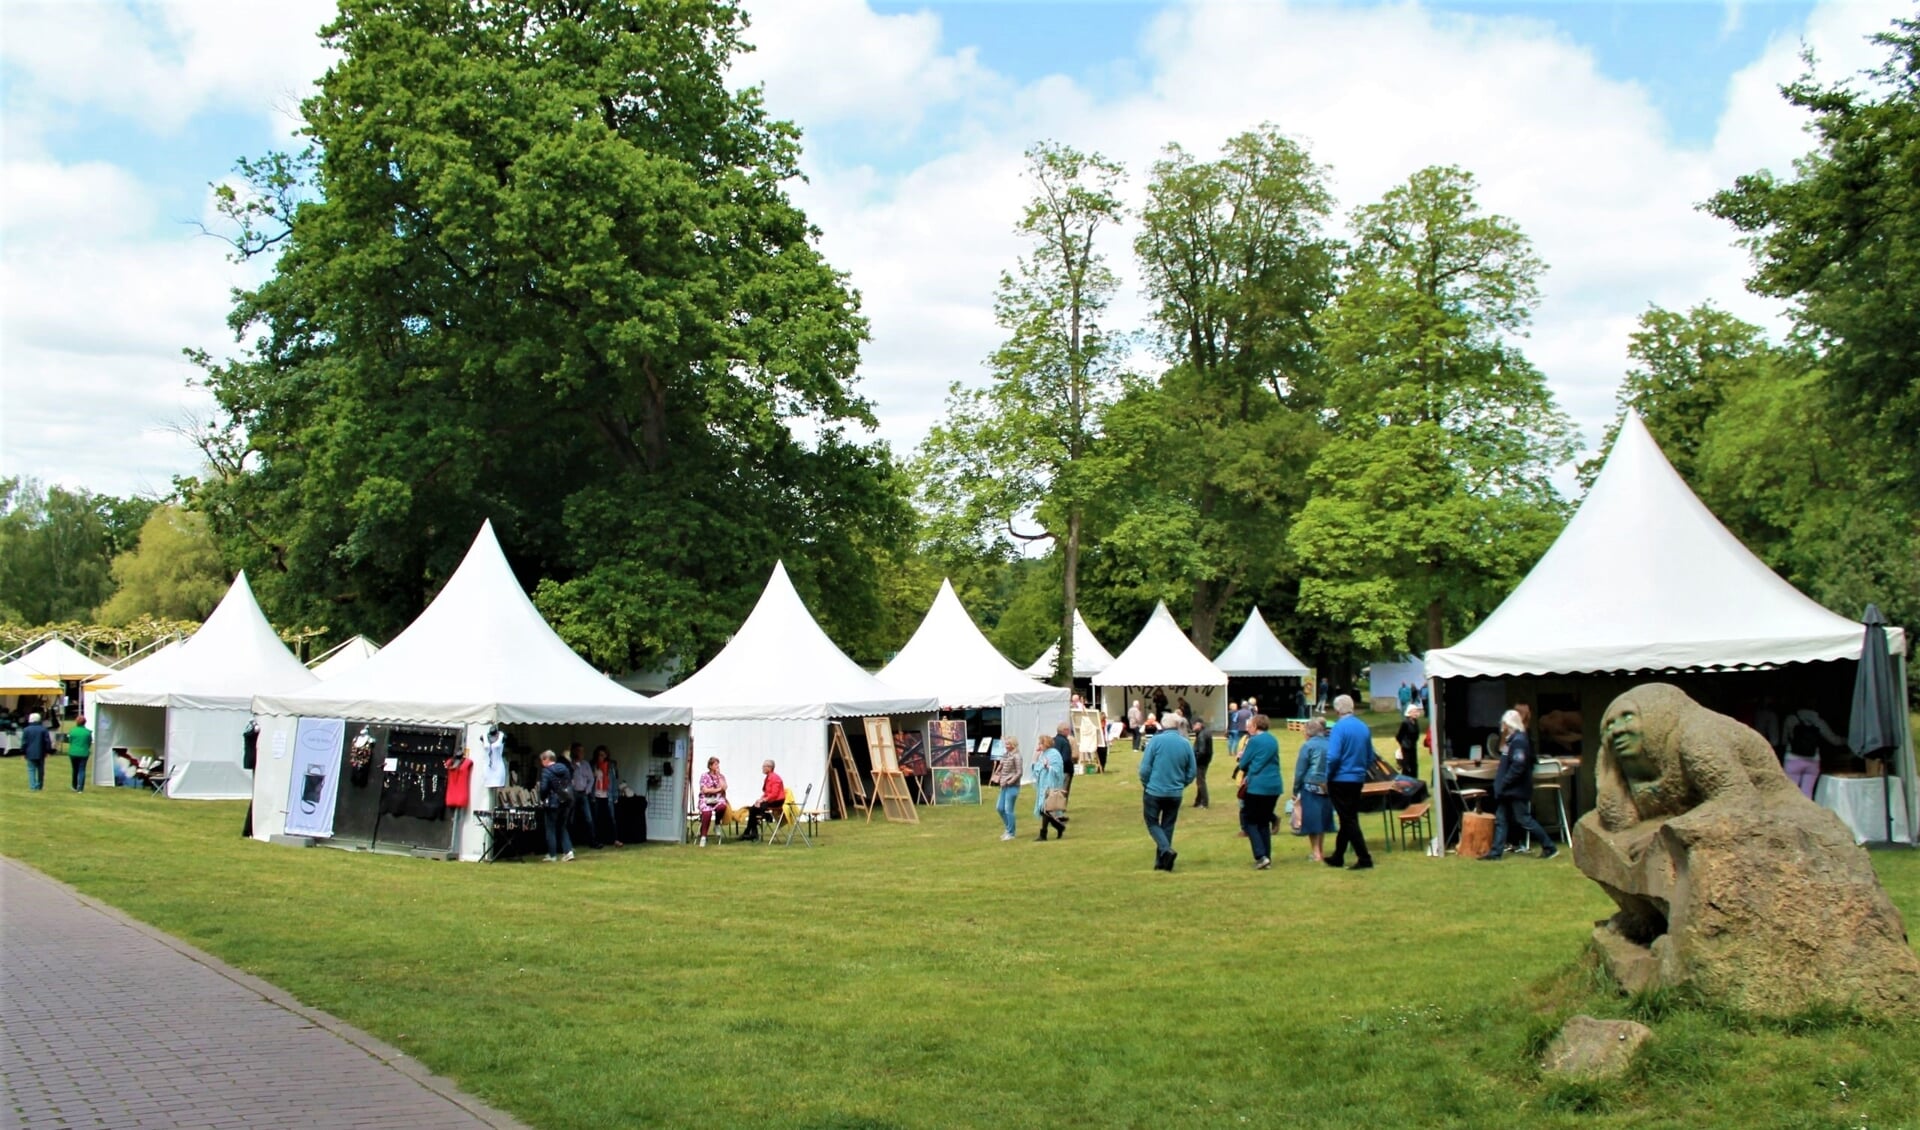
x: 1727, y: 879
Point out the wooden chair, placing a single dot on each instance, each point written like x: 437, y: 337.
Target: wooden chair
x: 1416, y: 818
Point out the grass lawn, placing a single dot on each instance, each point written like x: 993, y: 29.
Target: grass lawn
x: 933, y: 976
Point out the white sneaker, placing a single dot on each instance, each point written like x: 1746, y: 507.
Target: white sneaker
x: 1006, y: 836
x: 567, y: 858
x: 703, y: 841
x: 551, y: 859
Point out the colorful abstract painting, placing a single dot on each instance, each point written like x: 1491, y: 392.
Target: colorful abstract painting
x: 956, y: 786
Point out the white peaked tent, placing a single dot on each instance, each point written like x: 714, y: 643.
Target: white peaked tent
x: 1257, y: 651
x: 949, y: 658
x: 1646, y: 579
x: 770, y: 691
x: 1090, y: 657
x: 1162, y: 656
x: 478, y: 656
x: 56, y: 661
x: 191, y: 702
x: 343, y: 658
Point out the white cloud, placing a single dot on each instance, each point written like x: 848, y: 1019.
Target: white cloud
x: 828, y: 61
x: 159, y: 64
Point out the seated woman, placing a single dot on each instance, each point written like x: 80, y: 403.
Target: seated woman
x: 713, y: 798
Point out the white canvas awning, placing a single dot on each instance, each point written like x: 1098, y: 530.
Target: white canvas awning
x: 55, y: 660
x: 479, y: 653
x: 343, y: 658
x: 1645, y: 578
x: 949, y: 657
x: 235, y: 655
x: 780, y: 664
x: 1161, y: 656
x: 1256, y: 651
x: 1090, y: 656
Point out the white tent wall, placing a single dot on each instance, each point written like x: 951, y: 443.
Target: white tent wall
x: 796, y: 746
x: 272, y: 773
x: 1028, y: 720
x: 204, y: 753
x: 126, y: 727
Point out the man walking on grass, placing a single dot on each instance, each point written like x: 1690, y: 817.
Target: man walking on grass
x: 1349, y: 756
x: 1166, y: 769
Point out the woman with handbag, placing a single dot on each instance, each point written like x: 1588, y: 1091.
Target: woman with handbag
x: 1312, y: 807
x: 1006, y: 774
x: 1260, y: 762
x: 1049, y: 788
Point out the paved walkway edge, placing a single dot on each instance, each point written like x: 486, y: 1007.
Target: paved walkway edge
x: 391, y: 1056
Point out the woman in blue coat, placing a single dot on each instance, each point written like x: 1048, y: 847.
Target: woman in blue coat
x: 1310, y: 789
x: 1260, y: 762
x: 1049, y: 773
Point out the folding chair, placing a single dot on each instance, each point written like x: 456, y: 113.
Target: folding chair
x: 1547, y: 772
x: 801, y: 818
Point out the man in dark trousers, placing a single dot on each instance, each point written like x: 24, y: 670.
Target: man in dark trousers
x: 1349, y: 756
x: 1063, y: 743
x: 1166, y: 769
x: 1513, y: 789
x: 36, y: 744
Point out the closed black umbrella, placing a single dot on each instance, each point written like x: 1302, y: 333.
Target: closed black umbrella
x: 1873, y: 729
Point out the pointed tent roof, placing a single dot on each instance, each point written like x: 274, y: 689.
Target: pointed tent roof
x: 1646, y: 578
x: 141, y: 668
x: 56, y: 660
x: 18, y: 678
x: 1161, y: 656
x: 479, y: 653
x: 344, y: 658
x: 1090, y: 657
x: 1257, y: 651
x: 235, y: 655
x: 949, y: 657
x: 781, y: 665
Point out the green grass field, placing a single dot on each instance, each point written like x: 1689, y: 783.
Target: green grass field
x: 934, y: 976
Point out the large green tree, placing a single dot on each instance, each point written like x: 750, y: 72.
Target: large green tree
x: 1433, y: 495
x: 56, y: 547
x: 546, y: 272
x: 174, y: 573
x: 1236, y: 256
x: 1021, y: 450
x: 1841, y: 241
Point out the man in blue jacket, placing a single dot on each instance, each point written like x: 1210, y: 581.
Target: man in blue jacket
x: 1349, y: 756
x: 36, y: 743
x: 1166, y: 769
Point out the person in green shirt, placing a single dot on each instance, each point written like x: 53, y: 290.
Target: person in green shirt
x: 79, y: 749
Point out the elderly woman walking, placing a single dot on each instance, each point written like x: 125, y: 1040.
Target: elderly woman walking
x: 1310, y: 790
x: 1006, y: 774
x: 1049, y: 776
x: 1260, y: 763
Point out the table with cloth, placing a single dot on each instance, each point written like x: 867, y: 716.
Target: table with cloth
x: 1861, y: 804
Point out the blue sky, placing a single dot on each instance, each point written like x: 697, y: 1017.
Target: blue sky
x: 1596, y: 127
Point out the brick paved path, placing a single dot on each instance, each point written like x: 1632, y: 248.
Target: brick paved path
x: 164, y: 1035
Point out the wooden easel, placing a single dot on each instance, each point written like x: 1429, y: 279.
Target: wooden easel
x: 889, y: 784
x: 838, y: 753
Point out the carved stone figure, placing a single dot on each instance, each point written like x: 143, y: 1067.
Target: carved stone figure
x: 1728, y: 880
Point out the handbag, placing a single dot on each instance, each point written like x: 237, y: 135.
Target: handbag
x: 1056, y: 801
x: 1242, y: 791
x: 1294, y: 811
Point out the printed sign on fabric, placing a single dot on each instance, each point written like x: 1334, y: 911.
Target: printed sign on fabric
x: 317, y: 747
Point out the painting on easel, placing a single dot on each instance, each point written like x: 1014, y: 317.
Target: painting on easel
x: 947, y: 743
x: 956, y: 786
x: 910, y: 750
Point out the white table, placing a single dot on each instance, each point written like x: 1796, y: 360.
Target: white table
x: 1860, y: 804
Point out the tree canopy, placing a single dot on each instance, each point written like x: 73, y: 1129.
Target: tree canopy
x: 545, y: 271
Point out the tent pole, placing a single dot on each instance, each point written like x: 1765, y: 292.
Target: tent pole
x: 1436, y: 755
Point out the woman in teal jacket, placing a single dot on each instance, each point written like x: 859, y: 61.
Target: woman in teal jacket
x: 1260, y: 763
x: 1048, y: 773
x: 1310, y: 790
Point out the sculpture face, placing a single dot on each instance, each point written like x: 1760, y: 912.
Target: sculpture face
x: 1627, y: 742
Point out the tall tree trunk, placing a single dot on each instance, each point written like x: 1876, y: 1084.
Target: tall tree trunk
x: 1070, y: 596
x: 1207, y: 604
x: 1434, y: 622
